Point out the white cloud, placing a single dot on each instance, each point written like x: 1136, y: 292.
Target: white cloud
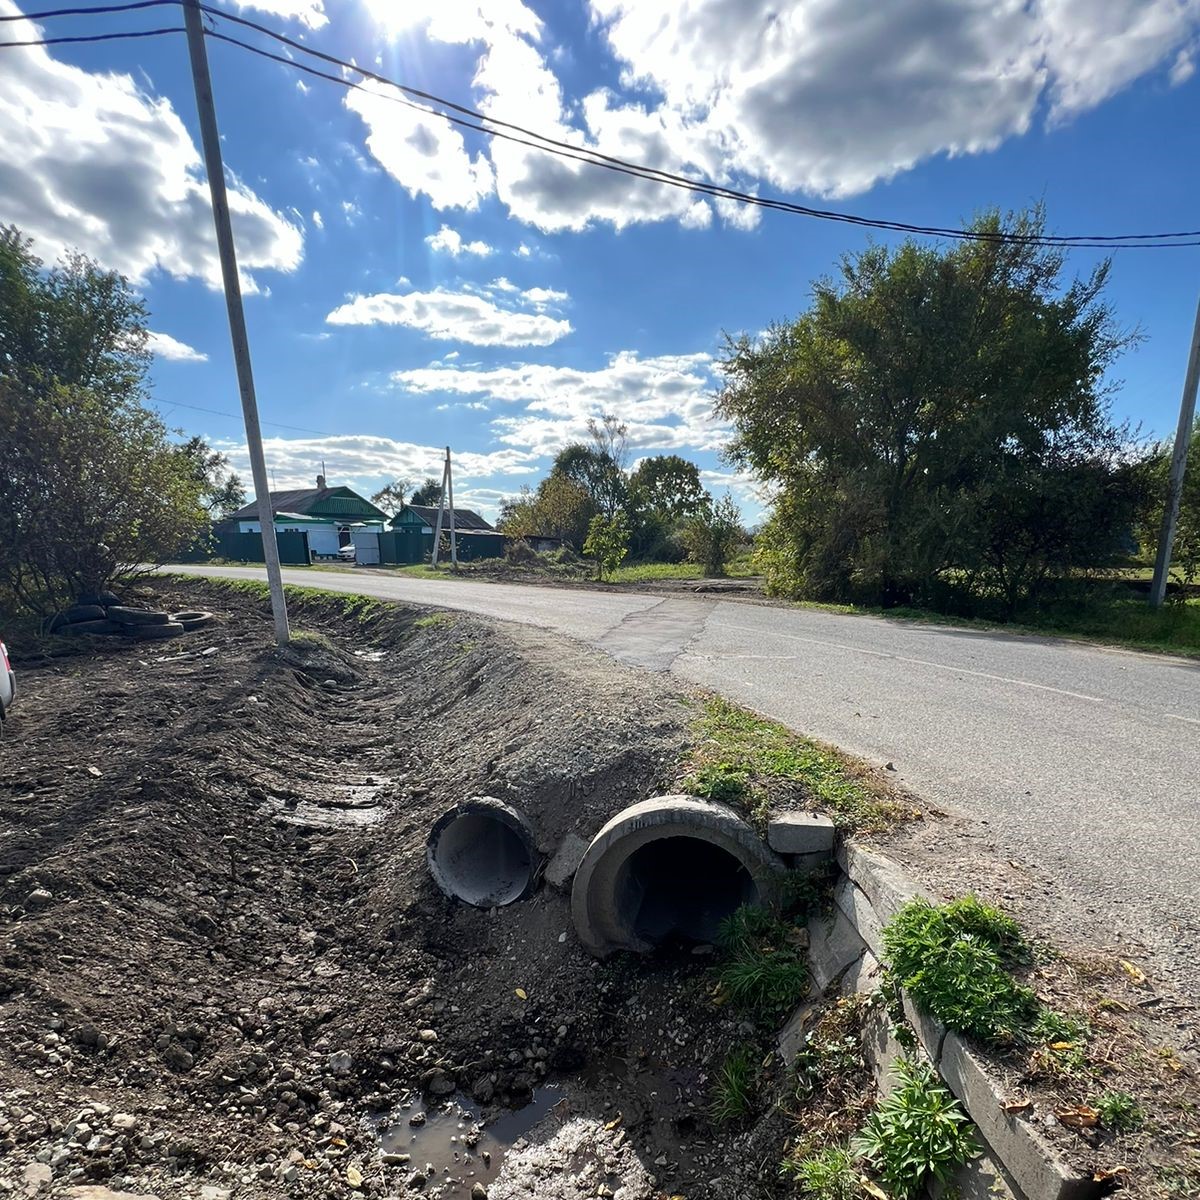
x: 91, y: 161
x: 666, y: 400
x: 455, y: 316
x: 522, y: 251
x: 451, y: 242
x: 163, y: 345
x: 318, y: 220
x: 307, y: 12
x: 1183, y: 68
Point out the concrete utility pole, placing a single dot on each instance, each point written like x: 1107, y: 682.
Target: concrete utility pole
x: 453, y: 522
x: 1183, y: 440
x: 215, y: 168
x: 437, y: 532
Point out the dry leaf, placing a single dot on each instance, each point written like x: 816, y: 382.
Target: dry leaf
x: 1080, y: 1117
x: 1017, y: 1106
x: 354, y: 1177
x: 611, y: 1125
x: 872, y: 1190
x: 522, y: 994
x: 1062, y: 1045
x: 1135, y: 973
x: 1107, y: 1176
x: 337, y: 1141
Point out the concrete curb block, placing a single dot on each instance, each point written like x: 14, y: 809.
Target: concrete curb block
x: 1018, y: 1162
x: 801, y: 833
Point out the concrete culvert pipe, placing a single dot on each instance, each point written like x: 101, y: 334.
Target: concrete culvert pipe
x: 482, y: 852
x: 669, y: 868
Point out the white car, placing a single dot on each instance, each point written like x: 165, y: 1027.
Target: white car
x: 8, y: 685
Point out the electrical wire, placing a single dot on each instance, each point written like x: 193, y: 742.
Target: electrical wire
x: 548, y: 144
x: 102, y: 10
x: 215, y: 412
x: 96, y: 37
x: 495, y: 127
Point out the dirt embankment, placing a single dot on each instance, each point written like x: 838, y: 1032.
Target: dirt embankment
x: 221, y: 953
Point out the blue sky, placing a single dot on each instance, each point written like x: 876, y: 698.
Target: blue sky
x: 412, y: 286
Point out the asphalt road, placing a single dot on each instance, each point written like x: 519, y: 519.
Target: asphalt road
x: 1084, y: 761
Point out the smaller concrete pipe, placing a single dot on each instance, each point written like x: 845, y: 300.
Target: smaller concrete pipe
x: 671, y: 867
x: 482, y: 852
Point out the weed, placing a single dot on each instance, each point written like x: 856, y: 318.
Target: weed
x: 807, y: 894
x: 433, y: 620
x: 952, y: 960
x: 308, y: 638
x: 826, y: 1058
x: 1120, y: 1112
x: 830, y: 1174
x: 722, y: 781
x: 1061, y: 1043
x: 743, y: 753
x: 918, y: 1134
x: 733, y: 1088
x: 762, y: 971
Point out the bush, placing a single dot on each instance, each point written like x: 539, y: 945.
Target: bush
x: 607, y: 542
x: 713, y: 535
x: 919, y: 1133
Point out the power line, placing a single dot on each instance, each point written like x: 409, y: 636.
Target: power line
x: 495, y: 127
x: 216, y: 412
x: 91, y: 10
x: 547, y: 144
x: 96, y: 37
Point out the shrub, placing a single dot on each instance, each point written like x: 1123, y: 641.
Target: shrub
x: 713, y: 534
x: 607, y: 542
x: 953, y: 960
x: 917, y: 1135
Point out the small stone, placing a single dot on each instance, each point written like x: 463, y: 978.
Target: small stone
x: 390, y: 1158
x: 37, y: 1176
x: 479, y: 1192
x: 125, y: 1122
x: 38, y: 898
x: 428, y: 1035
x: 418, y: 1118
x: 177, y: 1058
x: 340, y: 1062
x: 441, y: 1084
x: 417, y: 1180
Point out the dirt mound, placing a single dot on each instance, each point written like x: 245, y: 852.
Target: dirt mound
x: 221, y: 957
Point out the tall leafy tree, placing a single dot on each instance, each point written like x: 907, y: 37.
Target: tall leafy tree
x: 221, y: 490
x: 390, y: 497
x: 667, y: 485
x: 429, y: 493
x: 90, y: 484
x: 937, y: 419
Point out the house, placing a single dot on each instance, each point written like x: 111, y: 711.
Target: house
x: 328, y: 518
x: 415, y: 524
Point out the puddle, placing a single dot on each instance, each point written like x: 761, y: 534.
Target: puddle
x: 461, y: 1148
x: 371, y: 655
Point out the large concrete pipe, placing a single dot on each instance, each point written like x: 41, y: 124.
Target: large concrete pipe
x: 672, y: 867
x: 482, y: 852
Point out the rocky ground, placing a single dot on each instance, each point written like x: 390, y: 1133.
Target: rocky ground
x: 222, y: 962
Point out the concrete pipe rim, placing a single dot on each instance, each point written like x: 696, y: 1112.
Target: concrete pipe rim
x: 482, y: 852
x: 614, y: 905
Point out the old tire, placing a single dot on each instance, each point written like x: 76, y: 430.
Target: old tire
x: 152, y: 633
x: 192, y: 620
x: 83, y: 612
x: 137, y: 616
x: 94, y: 628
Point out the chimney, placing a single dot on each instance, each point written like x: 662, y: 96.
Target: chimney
x: 321, y: 482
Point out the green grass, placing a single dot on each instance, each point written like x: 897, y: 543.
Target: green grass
x: 743, y: 758
x: 830, y: 1174
x: 761, y: 971
x: 1120, y: 1112
x: 733, y: 1087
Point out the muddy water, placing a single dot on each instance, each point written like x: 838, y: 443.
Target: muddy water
x: 456, y: 1142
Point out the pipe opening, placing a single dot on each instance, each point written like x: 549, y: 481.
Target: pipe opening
x: 681, y: 888
x: 481, y: 856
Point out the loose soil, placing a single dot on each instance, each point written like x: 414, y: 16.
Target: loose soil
x: 223, y: 964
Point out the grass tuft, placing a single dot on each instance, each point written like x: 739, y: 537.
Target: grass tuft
x: 829, y: 1174
x: 761, y: 970
x: 733, y: 1087
x: 1120, y: 1112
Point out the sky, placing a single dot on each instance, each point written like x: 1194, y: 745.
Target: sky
x: 412, y: 285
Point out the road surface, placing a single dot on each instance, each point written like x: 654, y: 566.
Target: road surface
x: 1085, y: 761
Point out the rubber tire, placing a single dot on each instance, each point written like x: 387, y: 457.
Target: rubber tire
x: 89, y: 628
x: 84, y: 612
x: 192, y: 620
x: 152, y: 633
x: 137, y: 616
x: 104, y: 599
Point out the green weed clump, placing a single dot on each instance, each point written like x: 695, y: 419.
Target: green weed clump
x: 750, y: 759
x: 761, y: 970
x: 917, y: 1135
x: 954, y: 961
x: 1120, y: 1112
x: 733, y: 1088
x: 830, y: 1174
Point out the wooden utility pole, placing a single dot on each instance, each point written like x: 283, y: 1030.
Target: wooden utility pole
x: 211, y: 141
x: 1183, y: 440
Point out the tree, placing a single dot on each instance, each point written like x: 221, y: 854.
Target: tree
x: 221, y: 490
x: 390, y: 497
x: 428, y: 494
x: 90, y: 485
x: 713, y: 533
x: 667, y: 485
x: 607, y: 542
x: 910, y: 417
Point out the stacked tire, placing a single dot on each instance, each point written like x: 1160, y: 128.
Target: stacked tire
x: 119, y: 620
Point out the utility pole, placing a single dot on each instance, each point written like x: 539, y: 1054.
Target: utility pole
x: 1183, y: 440
x: 453, y: 523
x: 437, y: 532
x: 215, y: 168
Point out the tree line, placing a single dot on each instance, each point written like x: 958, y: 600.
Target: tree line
x: 937, y: 430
